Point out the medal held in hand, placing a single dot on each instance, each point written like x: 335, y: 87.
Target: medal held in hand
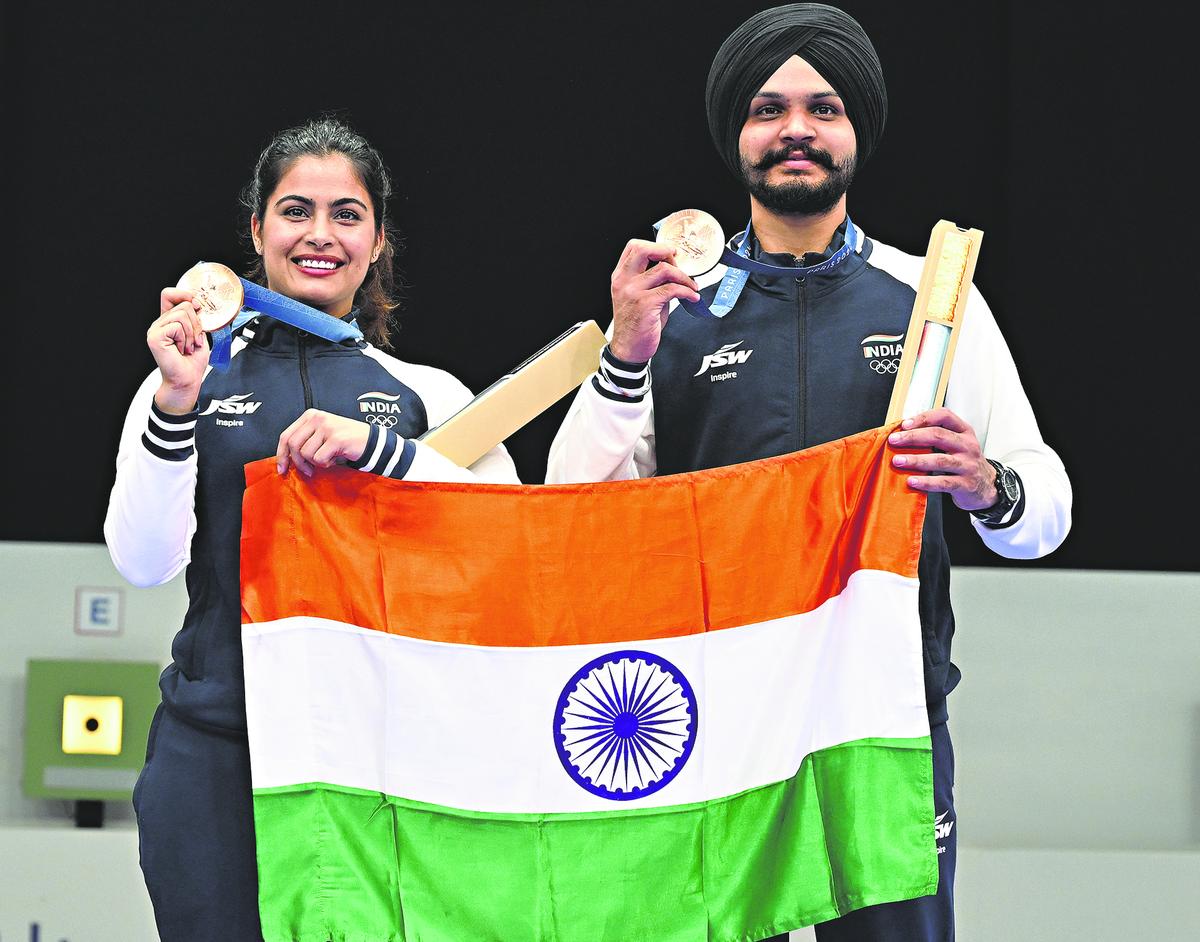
x: 227, y: 301
x: 700, y: 246
x: 218, y: 291
x: 696, y: 237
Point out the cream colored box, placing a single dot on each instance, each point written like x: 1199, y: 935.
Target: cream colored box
x: 519, y: 396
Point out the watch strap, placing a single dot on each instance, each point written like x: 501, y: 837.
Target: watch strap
x: 1008, y: 505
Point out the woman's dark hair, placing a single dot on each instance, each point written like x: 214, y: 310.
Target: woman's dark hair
x: 324, y: 137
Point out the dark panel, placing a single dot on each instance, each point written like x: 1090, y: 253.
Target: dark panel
x: 527, y: 144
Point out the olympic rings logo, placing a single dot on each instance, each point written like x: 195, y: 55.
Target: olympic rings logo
x: 383, y: 421
x: 885, y: 366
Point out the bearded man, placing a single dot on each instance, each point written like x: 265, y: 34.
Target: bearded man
x: 796, y: 104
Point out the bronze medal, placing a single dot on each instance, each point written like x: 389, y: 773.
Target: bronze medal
x: 696, y: 237
x: 218, y: 291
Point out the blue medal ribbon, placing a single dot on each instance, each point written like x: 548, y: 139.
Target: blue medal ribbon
x: 736, y: 258
x: 260, y: 300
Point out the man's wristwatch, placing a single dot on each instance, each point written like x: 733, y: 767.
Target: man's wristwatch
x: 1008, y: 493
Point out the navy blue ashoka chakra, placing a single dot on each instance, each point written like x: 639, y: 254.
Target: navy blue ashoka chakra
x: 625, y: 724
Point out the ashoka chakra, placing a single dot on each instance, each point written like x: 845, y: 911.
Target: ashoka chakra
x: 625, y: 724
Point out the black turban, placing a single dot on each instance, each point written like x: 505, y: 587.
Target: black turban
x: 829, y: 40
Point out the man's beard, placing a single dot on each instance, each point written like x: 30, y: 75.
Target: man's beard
x: 799, y: 197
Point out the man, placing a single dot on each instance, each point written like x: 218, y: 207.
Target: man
x: 796, y: 104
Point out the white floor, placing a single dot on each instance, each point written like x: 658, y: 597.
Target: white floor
x: 1038, y: 895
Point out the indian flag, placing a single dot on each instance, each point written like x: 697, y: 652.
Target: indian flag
x: 684, y: 708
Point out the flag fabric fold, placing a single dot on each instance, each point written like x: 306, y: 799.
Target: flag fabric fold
x: 683, y: 708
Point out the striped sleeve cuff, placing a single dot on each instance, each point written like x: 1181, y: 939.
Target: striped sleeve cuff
x: 386, y: 454
x: 621, y: 380
x: 170, y: 437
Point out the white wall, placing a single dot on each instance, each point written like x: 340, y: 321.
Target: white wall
x: 1077, y: 740
x: 37, y: 620
x: 1077, y: 723
x: 1076, y: 729
x: 75, y: 885
x: 1039, y: 895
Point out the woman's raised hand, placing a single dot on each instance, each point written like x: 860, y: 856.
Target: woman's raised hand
x: 180, y: 348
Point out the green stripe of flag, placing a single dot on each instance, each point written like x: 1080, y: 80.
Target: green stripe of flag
x: 772, y: 859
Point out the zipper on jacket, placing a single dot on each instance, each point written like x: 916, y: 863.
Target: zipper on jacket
x: 308, y: 401
x: 802, y: 360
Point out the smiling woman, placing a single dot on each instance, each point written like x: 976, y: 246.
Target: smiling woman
x: 317, y: 208
x: 316, y: 215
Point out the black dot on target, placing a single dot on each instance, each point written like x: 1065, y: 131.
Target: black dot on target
x: 91, y: 724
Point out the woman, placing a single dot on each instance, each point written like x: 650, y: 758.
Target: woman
x: 317, y: 220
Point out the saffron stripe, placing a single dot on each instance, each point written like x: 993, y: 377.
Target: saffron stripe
x: 716, y: 549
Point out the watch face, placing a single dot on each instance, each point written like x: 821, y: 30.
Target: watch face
x: 1008, y: 492
x: 1008, y: 482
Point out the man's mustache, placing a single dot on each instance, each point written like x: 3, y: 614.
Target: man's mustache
x: 772, y: 157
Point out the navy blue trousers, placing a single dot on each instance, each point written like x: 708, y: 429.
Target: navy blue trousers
x: 196, y: 833
x: 927, y: 918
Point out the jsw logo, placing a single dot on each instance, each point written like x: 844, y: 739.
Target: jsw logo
x: 382, y: 404
x: 942, y: 827
x: 234, y: 405
x: 725, y: 356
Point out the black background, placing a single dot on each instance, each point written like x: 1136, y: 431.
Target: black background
x: 528, y: 142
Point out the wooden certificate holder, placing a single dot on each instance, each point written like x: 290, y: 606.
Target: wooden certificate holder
x: 937, y: 315
x: 519, y: 396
